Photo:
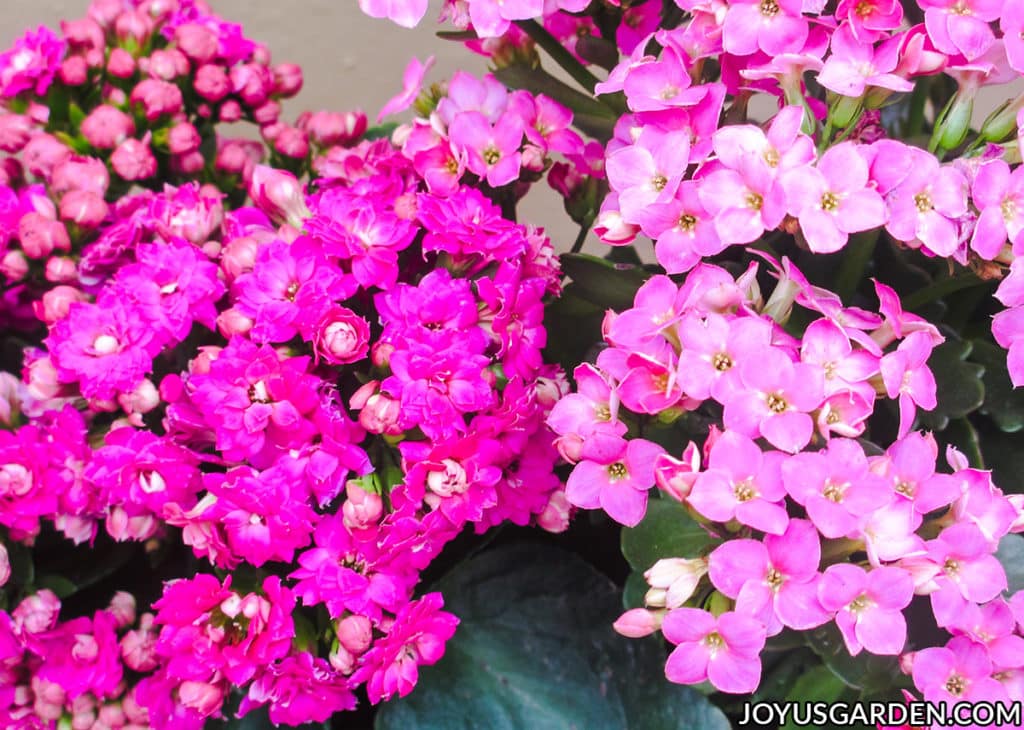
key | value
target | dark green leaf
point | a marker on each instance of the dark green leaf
(958, 384)
(634, 591)
(535, 649)
(573, 325)
(58, 584)
(1004, 404)
(381, 131)
(75, 115)
(866, 671)
(597, 50)
(1011, 555)
(607, 285)
(666, 531)
(1003, 455)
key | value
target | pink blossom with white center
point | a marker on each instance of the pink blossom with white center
(742, 483)
(713, 349)
(868, 606)
(662, 84)
(587, 420)
(648, 171)
(776, 398)
(683, 229)
(999, 194)
(827, 346)
(492, 152)
(725, 650)
(772, 26)
(961, 27)
(834, 199)
(869, 19)
(855, 66)
(412, 81)
(968, 571)
(961, 671)
(781, 148)
(909, 468)
(406, 13)
(775, 581)
(926, 203)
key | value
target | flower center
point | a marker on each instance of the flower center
(754, 201)
(771, 156)
(774, 579)
(491, 155)
(923, 201)
(660, 382)
(744, 491)
(687, 222)
(258, 392)
(451, 165)
(658, 182)
(769, 8)
(956, 685)
(602, 413)
(776, 403)
(1009, 209)
(152, 482)
(105, 345)
(617, 471)
(951, 567)
(291, 291)
(714, 642)
(833, 492)
(722, 362)
(829, 202)
(832, 418)
(865, 8)
(859, 603)
(905, 488)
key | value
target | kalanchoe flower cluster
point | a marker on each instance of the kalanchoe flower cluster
(319, 389)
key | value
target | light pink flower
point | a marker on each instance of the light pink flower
(725, 650)
(868, 605)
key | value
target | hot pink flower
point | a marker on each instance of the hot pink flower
(412, 80)
(725, 650)
(492, 152)
(868, 606)
(968, 571)
(961, 26)
(961, 671)
(869, 19)
(926, 202)
(648, 171)
(745, 200)
(909, 467)
(32, 63)
(773, 26)
(300, 689)
(907, 376)
(999, 194)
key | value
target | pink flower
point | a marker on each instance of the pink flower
(909, 467)
(341, 336)
(725, 650)
(106, 127)
(998, 194)
(926, 202)
(961, 26)
(855, 66)
(648, 171)
(772, 26)
(742, 482)
(134, 160)
(775, 400)
(869, 19)
(907, 376)
(961, 671)
(618, 484)
(833, 199)
(868, 606)
(412, 80)
(406, 13)
(587, 420)
(775, 581)
(968, 571)
(32, 63)
(492, 152)
(713, 351)
(416, 638)
(299, 689)
(745, 200)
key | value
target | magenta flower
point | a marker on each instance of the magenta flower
(909, 467)
(713, 350)
(961, 27)
(587, 420)
(968, 571)
(869, 19)
(775, 581)
(834, 199)
(907, 376)
(683, 229)
(300, 689)
(648, 171)
(998, 194)
(661, 84)
(775, 400)
(961, 671)
(771, 26)
(32, 63)
(725, 650)
(744, 483)
(825, 345)
(926, 203)
(835, 486)
(868, 606)
(745, 201)
(619, 484)
(407, 13)
(854, 66)
(416, 638)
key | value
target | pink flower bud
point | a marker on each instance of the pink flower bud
(133, 160)
(83, 34)
(143, 398)
(232, 322)
(157, 98)
(555, 516)
(292, 142)
(49, 699)
(267, 114)
(122, 526)
(251, 82)
(73, 71)
(14, 265)
(5, 564)
(10, 399)
(534, 159)
(122, 608)
(381, 353)
(110, 716)
(83, 712)
(39, 236)
(79, 173)
(212, 82)
(190, 163)
(54, 304)
(60, 269)
(15, 130)
(565, 178)
(84, 208)
(270, 132)
(333, 128)
(121, 64)
(42, 153)
(341, 660)
(183, 138)
(238, 257)
(167, 65)
(230, 111)
(361, 509)
(612, 229)
(196, 41)
(570, 447)
(133, 25)
(287, 80)
(202, 697)
(138, 650)
(380, 415)
(37, 613)
(355, 633)
(200, 364)
(675, 477)
(279, 194)
(341, 336)
(637, 623)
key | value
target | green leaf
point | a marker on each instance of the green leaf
(381, 131)
(867, 672)
(75, 115)
(1011, 555)
(634, 591)
(666, 531)
(535, 649)
(815, 686)
(1004, 404)
(1003, 455)
(608, 285)
(58, 584)
(958, 384)
(573, 325)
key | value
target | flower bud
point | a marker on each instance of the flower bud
(49, 699)
(85, 208)
(60, 269)
(133, 160)
(555, 516)
(167, 65)
(292, 142)
(287, 80)
(197, 42)
(361, 509)
(251, 82)
(142, 399)
(121, 64)
(678, 576)
(202, 697)
(124, 527)
(79, 173)
(380, 415)
(675, 477)
(232, 322)
(230, 111)
(341, 659)
(73, 71)
(122, 608)
(5, 565)
(106, 127)
(39, 236)
(238, 257)
(355, 633)
(333, 128)
(341, 336)
(267, 114)
(612, 229)
(157, 98)
(14, 265)
(15, 131)
(279, 194)
(54, 304)
(37, 613)
(212, 83)
(42, 153)
(637, 623)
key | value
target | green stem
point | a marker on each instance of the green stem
(918, 100)
(858, 253)
(559, 54)
(581, 237)
(939, 289)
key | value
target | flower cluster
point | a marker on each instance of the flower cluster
(792, 411)
(313, 392)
